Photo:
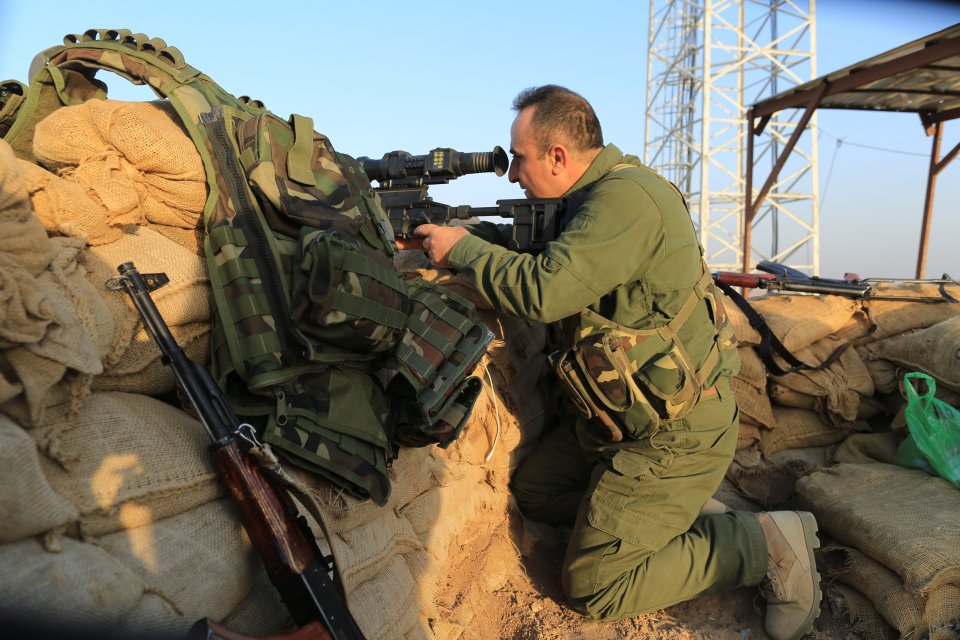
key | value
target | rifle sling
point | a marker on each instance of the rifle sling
(770, 344)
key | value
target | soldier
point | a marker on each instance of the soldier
(647, 356)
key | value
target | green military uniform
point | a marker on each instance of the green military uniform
(629, 262)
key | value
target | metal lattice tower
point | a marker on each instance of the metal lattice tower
(709, 60)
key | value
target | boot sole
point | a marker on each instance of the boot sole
(810, 528)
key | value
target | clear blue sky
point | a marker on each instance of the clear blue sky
(377, 76)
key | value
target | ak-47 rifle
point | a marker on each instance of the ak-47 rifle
(778, 277)
(404, 180)
(294, 563)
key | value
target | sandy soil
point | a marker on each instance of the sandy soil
(514, 593)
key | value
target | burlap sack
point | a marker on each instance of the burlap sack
(931, 615)
(752, 370)
(157, 578)
(746, 335)
(882, 371)
(799, 320)
(66, 208)
(902, 518)
(28, 502)
(134, 157)
(81, 587)
(55, 371)
(198, 561)
(884, 588)
(856, 610)
(748, 435)
(933, 350)
(23, 240)
(798, 429)
(128, 460)
(841, 385)
(893, 317)
(787, 397)
(261, 612)
(754, 403)
(865, 448)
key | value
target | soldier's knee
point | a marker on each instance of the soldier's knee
(586, 596)
(531, 494)
(600, 591)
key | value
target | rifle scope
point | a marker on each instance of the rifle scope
(440, 165)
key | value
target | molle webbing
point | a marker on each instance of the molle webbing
(628, 381)
(279, 195)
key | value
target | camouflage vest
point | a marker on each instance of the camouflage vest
(628, 381)
(317, 339)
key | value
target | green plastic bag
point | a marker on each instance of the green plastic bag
(908, 455)
(935, 427)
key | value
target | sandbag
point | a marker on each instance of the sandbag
(934, 350)
(841, 385)
(903, 518)
(28, 502)
(798, 429)
(128, 460)
(56, 370)
(23, 240)
(134, 158)
(799, 321)
(66, 208)
(893, 317)
(79, 587)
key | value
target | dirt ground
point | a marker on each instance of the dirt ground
(514, 591)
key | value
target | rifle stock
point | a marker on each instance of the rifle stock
(209, 630)
(742, 280)
(280, 535)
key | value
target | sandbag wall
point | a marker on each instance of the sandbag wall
(825, 441)
(114, 520)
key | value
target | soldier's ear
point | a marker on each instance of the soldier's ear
(559, 157)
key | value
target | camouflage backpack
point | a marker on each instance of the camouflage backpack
(317, 339)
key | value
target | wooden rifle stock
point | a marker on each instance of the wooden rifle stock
(209, 630)
(743, 280)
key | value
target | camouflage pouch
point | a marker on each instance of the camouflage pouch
(345, 300)
(300, 180)
(334, 422)
(584, 400)
(640, 377)
(429, 371)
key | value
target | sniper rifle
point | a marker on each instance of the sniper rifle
(279, 533)
(404, 180)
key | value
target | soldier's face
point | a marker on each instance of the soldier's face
(535, 171)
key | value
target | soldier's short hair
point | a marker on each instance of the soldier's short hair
(561, 115)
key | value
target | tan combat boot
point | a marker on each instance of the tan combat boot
(792, 585)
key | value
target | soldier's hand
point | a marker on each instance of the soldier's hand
(438, 241)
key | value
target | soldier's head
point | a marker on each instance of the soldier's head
(553, 140)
